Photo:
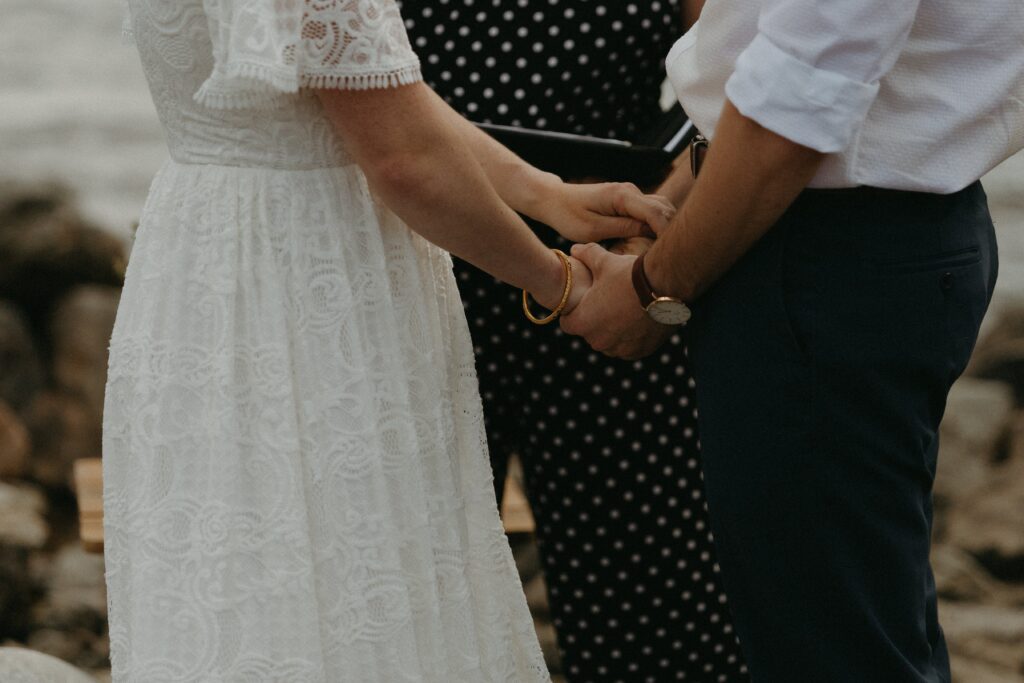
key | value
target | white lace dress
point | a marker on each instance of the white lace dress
(296, 480)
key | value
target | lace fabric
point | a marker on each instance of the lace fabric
(263, 48)
(296, 480)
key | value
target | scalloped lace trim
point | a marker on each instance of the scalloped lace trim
(256, 86)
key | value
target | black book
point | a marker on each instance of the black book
(579, 157)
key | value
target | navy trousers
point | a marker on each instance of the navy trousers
(823, 360)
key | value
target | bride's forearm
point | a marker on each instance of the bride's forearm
(525, 188)
(426, 173)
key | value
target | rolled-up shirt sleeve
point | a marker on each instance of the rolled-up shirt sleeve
(813, 70)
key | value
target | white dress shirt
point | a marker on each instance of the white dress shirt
(908, 94)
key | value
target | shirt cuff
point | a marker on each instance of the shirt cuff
(812, 107)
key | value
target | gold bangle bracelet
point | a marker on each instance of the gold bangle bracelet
(561, 304)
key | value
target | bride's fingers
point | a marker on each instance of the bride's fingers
(653, 210)
(607, 227)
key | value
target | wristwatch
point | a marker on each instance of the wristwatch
(666, 310)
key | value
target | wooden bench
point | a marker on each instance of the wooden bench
(88, 480)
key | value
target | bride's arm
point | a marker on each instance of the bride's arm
(580, 212)
(424, 170)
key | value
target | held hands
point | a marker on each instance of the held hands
(603, 308)
(599, 211)
(550, 295)
(609, 315)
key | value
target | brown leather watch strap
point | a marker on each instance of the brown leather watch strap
(641, 284)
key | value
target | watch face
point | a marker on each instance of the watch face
(668, 311)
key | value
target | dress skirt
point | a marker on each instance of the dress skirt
(297, 485)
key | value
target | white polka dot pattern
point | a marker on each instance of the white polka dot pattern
(610, 448)
(592, 68)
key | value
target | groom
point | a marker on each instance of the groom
(829, 323)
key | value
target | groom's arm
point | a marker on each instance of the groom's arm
(750, 176)
(748, 179)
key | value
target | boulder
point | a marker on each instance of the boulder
(972, 438)
(16, 594)
(959, 577)
(22, 517)
(990, 524)
(548, 639)
(80, 336)
(537, 597)
(967, 670)
(70, 622)
(26, 666)
(1000, 353)
(76, 596)
(527, 557)
(21, 371)
(46, 249)
(14, 444)
(22, 529)
(63, 428)
(987, 634)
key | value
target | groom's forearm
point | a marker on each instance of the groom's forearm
(749, 178)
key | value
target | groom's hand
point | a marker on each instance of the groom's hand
(610, 317)
(631, 246)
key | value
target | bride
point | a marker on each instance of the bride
(296, 483)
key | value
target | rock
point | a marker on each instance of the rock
(80, 335)
(76, 596)
(549, 645)
(973, 671)
(537, 597)
(527, 557)
(14, 444)
(1000, 353)
(16, 594)
(63, 645)
(973, 432)
(21, 372)
(20, 202)
(25, 666)
(63, 429)
(960, 577)
(1016, 450)
(22, 517)
(989, 634)
(71, 620)
(78, 646)
(46, 248)
(990, 525)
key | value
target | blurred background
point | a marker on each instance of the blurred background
(79, 143)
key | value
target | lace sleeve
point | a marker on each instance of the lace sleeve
(265, 48)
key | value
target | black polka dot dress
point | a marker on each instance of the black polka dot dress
(610, 448)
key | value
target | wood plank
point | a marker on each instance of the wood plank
(88, 480)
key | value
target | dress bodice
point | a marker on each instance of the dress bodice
(288, 132)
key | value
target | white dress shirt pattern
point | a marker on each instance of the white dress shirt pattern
(921, 95)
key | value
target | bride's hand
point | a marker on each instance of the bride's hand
(550, 294)
(581, 282)
(599, 211)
